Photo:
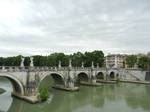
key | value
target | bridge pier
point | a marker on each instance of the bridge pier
(31, 99)
(90, 83)
(93, 79)
(70, 82)
(30, 95)
(70, 87)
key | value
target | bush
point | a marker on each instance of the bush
(118, 80)
(44, 94)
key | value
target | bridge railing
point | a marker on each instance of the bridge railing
(27, 68)
(44, 68)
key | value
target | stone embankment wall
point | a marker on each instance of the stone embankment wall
(133, 75)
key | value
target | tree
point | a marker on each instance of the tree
(88, 59)
(77, 59)
(11, 61)
(27, 61)
(36, 60)
(43, 61)
(1, 61)
(53, 59)
(144, 62)
(8, 61)
(131, 60)
(17, 60)
(95, 56)
(98, 57)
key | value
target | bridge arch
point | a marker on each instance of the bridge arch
(57, 77)
(112, 75)
(117, 75)
(100, 75)
(16, 84)
(82, 76)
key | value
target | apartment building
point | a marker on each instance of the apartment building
(115, 61)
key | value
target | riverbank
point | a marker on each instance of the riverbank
(2, 91)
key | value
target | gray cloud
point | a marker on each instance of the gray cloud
(45, 26)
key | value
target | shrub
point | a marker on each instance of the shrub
(44, 94)
(118, 80)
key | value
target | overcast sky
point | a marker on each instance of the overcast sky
(31, 27)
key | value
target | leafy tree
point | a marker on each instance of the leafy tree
(36, 60)
(88, 59)
(17, 60)
(43, 61)
(77, 59)
(27, 61)
(144, 62)
(95, 56)
(8, 61)
(61, 57)
(1, 61)
(131, 60)
(65, 61)
(98, 57)
(53, 59)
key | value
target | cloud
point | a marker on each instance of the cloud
(42, 27)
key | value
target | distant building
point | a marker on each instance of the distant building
(140, 55)
(115, 61)
(119, 60)
(148, 54)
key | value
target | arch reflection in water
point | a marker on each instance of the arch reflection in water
(99, 99)
(5, 98)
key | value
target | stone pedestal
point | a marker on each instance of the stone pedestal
(94, 81)
(71, 85)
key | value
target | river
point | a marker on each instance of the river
(122, 97)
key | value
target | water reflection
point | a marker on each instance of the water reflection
(139, 97)
(116, 97)
(5, 98)
(62, 102)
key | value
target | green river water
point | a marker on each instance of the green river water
(122, 97)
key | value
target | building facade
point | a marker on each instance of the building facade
(115, 61)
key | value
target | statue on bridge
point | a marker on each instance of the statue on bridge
(92, 64)
(22, 62)
(70, 63)
(82, 66)
(31, 62)
(97, 65)
(59, 65)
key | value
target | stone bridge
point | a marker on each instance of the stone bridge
(26, 80)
